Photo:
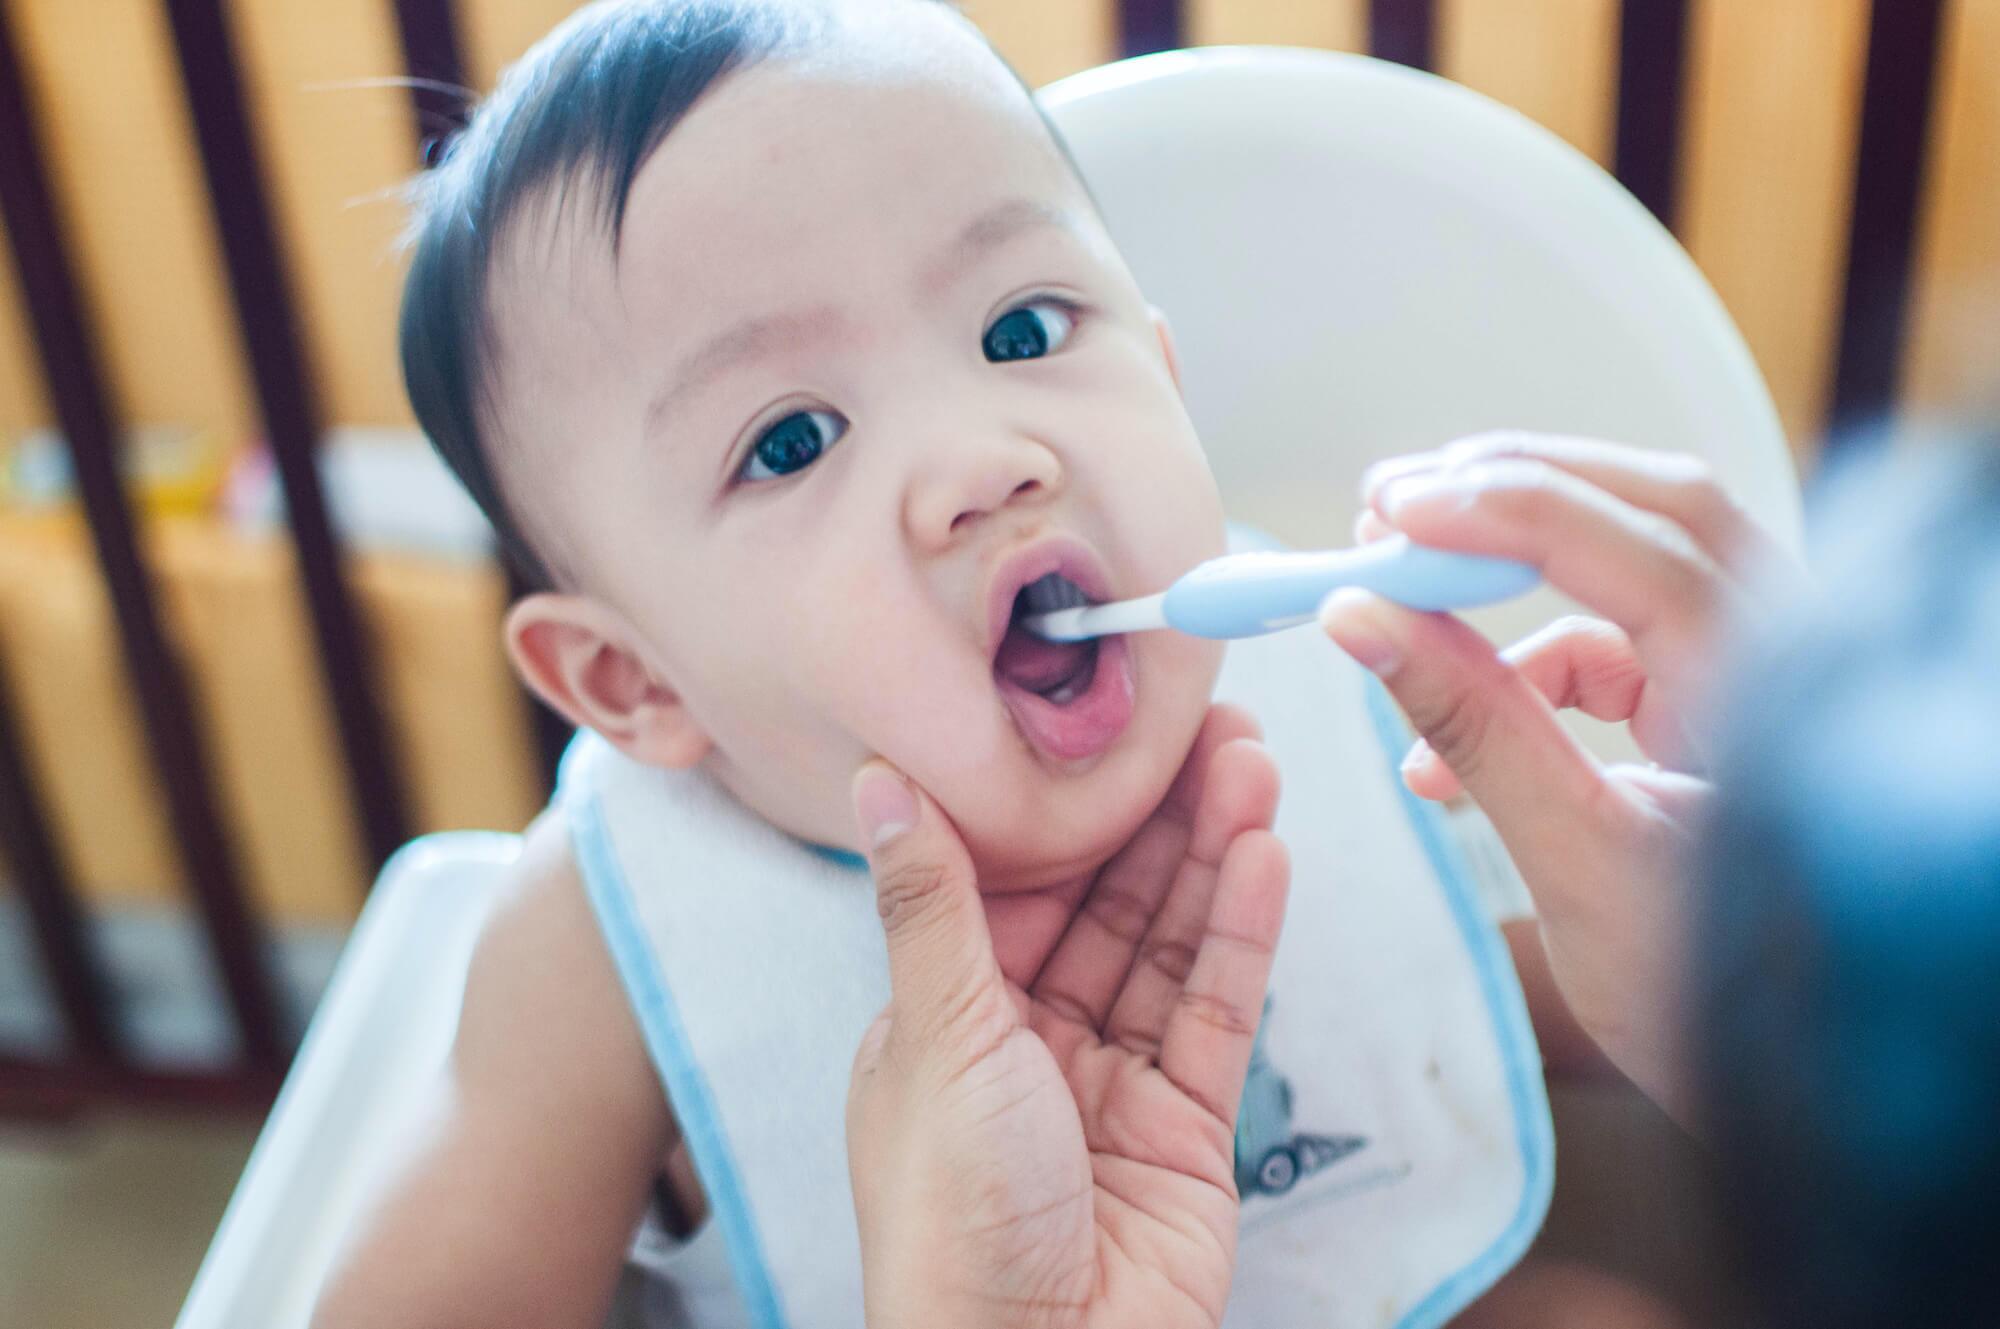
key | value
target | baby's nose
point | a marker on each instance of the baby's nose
(949, 498)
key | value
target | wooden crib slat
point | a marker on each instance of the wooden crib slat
(120, 165)
(337, 144)
(1334, 25)
(78, 391)
(1555, 61)
(1888, 186)
(23, 405)
(1652, 57)
(261, 287)
(1950, 365)
(1150, 25)
(47, 887)
(434, 58)
(1048, 39)
(1774, 100)
(433, 54)
(1404, 31)
(496, 33)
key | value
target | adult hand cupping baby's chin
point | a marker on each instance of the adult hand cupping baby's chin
(1062, 1154)
(1651, 543)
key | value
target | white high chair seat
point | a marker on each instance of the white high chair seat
(1356, 260)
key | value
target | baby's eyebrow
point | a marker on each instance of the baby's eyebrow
(990, 230)
(752, 339)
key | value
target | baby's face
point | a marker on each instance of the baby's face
(865, 365)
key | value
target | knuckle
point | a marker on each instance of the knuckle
(1121, 913)
(1133, 1039)
(1456, 726)
(1222, 1016)
(906, 892)
(1173, 958)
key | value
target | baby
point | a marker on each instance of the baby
(783, 342)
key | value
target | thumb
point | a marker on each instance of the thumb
(1489, 724)
(941, 965)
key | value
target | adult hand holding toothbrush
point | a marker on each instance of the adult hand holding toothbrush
(1649, 542)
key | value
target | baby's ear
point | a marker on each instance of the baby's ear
(1166, 335)
(582, 658)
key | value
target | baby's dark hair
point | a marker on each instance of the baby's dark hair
(1846, 1006)
(584, 109)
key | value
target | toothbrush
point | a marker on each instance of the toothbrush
(1247, 595)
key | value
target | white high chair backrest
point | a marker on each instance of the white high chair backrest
(1358, 260)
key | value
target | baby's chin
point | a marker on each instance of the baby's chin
(1036, 856)
(1071, 827)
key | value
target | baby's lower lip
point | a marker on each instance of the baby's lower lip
(1087, 725)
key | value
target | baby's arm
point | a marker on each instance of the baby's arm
(519, 1193)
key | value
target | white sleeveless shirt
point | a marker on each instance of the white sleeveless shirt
(1394, 1153)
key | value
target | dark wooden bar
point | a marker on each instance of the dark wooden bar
(83, 407)
(32, 1089)
(1404, 31)
(439, 99)
(1898, 92)
(435, 61)
(36, 868)
(1652, 95)
(260, 284)
(1150, 25)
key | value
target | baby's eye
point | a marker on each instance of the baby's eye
(792, 444)
(1029, 332)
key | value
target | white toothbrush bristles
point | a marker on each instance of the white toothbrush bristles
(1098, 620)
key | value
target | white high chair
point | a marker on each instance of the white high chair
(1357, 260)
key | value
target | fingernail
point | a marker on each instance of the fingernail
(1418, 760)
(1349, 617)
(883, 804)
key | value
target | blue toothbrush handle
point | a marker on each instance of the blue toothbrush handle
(1246, 595)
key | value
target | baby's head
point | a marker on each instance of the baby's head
(782, 340)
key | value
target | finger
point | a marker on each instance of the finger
(1576, 663)
(1676, 485)
(945, 986)
(1205, 1048)
(1584, 664)
(1241, 795)
(1223, 725)
(1638, 569)
(1083, 974)
(1485, 721)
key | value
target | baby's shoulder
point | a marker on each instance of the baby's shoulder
(541, 900)
(540, 972)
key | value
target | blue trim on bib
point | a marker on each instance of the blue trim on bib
(1533, 1130)
(666, 1042)
(840, 858)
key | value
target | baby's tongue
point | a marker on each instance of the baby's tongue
(1028, 662)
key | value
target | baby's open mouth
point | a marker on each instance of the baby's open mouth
(1070, 699)
(1057, 672)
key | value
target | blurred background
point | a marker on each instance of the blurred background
(248, 631)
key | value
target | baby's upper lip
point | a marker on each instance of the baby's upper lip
(1032, 561)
